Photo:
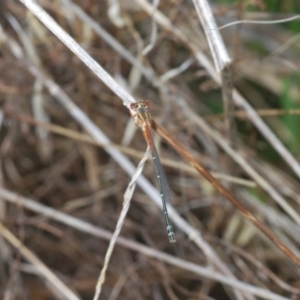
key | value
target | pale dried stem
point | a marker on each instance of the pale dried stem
(99, 136)
(239, 100)
(150, 252)
(39, 265)
(126, 203)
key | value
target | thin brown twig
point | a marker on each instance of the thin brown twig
(86, 227)
(223, 191)
(239, 100)
(129, 151)
(40, 266)
(56, 91)
(241, 114)
(247, 256)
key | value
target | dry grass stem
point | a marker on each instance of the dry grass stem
(69, 148)
(151, 252)
(38, 264)
(239, 100)
(99, 136)
(126, 203)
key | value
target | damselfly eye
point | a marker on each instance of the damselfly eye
(132, 106)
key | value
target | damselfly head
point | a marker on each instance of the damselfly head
(139, 111)
(140, 105)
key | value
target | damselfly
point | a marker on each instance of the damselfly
(142, 118)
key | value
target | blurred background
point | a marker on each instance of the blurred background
(48, 157)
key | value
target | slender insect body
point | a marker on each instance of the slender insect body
(142, 118)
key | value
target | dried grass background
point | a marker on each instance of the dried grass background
(48, 156)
